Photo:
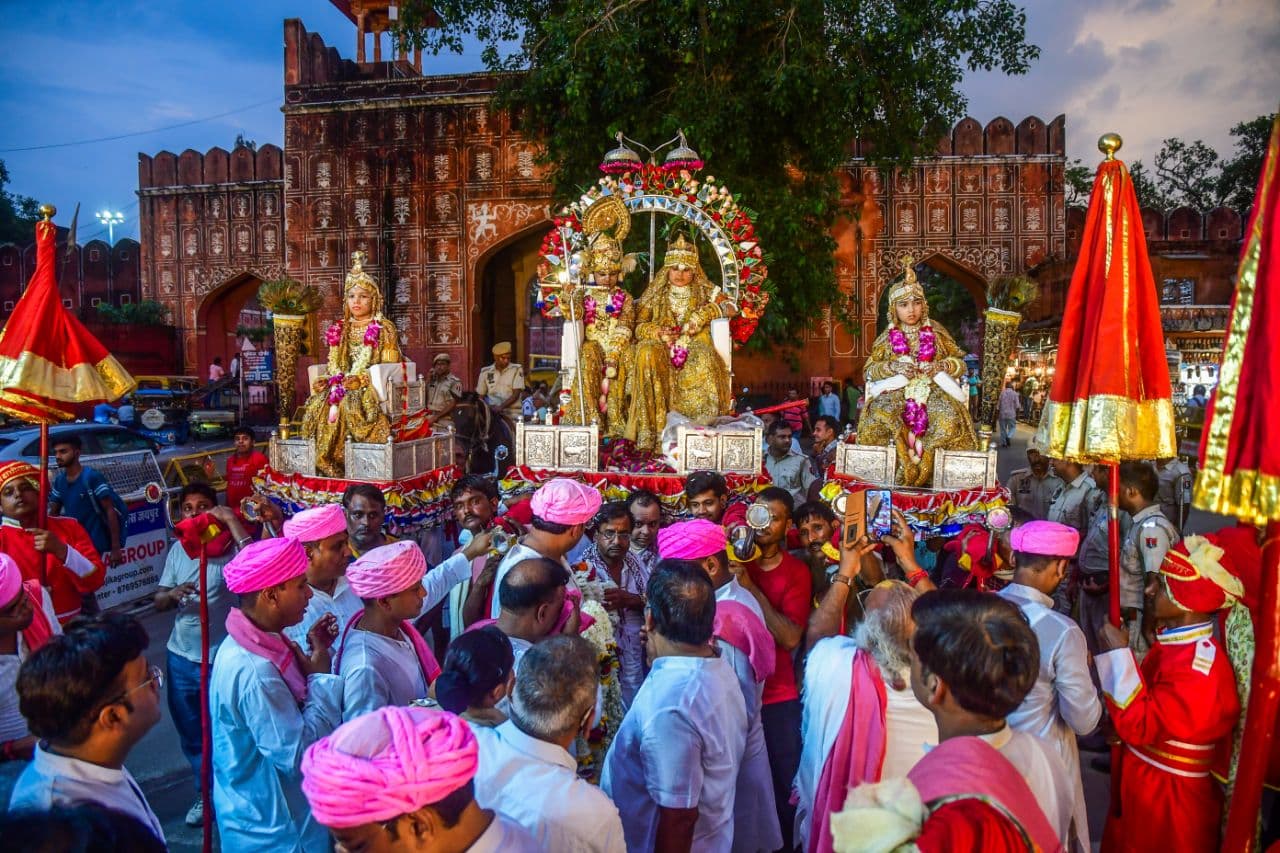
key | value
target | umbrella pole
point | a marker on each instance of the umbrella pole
(206, 723)
(1264, 701)
(43, 515)
(1113, 580)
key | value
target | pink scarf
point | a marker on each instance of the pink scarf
(39, 631)
(971, 767)
(741, 628)
(273, 648)
(426, 660)
(858, 753)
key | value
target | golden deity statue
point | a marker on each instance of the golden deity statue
(916, 398)
(342, 402)
(676, 367)
(607, 313)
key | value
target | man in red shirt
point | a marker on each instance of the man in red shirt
(783, 587)
(61, 556)
(242, 466)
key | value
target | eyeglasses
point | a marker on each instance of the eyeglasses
(157, 675)
(613, 535)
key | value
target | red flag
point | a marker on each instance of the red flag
(1110, 398)
(48, 360)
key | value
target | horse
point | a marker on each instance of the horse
(481, 431)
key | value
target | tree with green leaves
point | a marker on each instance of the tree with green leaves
(770, 93)
(18, 213)
(1238, 181)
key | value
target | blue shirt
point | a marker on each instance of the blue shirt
(829, 404)
(81, 500)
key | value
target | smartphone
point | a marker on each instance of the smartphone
(879, 513)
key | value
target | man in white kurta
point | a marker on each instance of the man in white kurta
(703, 543)
(526, 772)
(681, 743)
(383, 659)
(322, 530)
(910, 728)
(261, 726)
(1063, 703)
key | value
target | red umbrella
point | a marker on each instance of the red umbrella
(1240, 473)
(1111, 400)
(48, 360)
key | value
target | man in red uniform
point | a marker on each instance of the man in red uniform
(782, 586)
(242, 466)
(1179, 710)
(60, 556)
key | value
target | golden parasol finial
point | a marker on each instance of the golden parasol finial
(48, 211)
(1109, 144)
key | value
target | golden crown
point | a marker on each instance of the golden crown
(681, 253)
(358, 277)
(907, 286)
(604, 255)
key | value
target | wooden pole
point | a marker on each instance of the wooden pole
(1264, 701)
(1113, 561)
(206, 722)
(43, 515)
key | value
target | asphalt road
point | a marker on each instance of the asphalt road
(167, 780)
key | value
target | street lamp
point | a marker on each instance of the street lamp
(110, 218)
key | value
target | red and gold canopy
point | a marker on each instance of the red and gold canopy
(48, 360)
(1239, 460)
(1111, 398)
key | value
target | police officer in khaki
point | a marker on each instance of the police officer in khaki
(1034, 488)
(443, 390)
(502, 382)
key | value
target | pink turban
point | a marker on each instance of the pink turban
(565, 501)
(316, 523)
(1046, 538)
(387, 569)
(387, 763)
(691, 540)
(264, 564)
(10, 580)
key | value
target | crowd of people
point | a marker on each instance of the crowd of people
(619, 676)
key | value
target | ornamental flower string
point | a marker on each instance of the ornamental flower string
(589, 310)
(371, 334)
(915, 411)
(615, 303)
(336, 392)
(333, 334)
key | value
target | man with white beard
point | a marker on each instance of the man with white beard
(861, 721)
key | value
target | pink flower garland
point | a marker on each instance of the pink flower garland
(336, 392)
(372, 332)
(333, 334)
(589, 310)
(914, 413)
(679, 355)
(616, 301)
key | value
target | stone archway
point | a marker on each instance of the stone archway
(501, 308)
(217, 318)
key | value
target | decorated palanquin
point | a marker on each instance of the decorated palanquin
(630, 358)
(365, 420)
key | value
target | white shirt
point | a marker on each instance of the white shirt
(504, 836)
(910, 729)
(679, 747)
(536, 784)
(343, 603)
(1044, 773)
(12, 724)
(734, 591)
(259, 735)
(755, 815)
(57, 780)
(377, 671)
(518, 554)
(1063, 702)
(184, 639)
(518, 648)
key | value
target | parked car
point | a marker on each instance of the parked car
(96, 439)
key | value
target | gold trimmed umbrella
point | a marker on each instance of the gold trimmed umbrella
(49, 361)
(1111, 398)
(1240, 474)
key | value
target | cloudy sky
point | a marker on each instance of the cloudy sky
(79, 70)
